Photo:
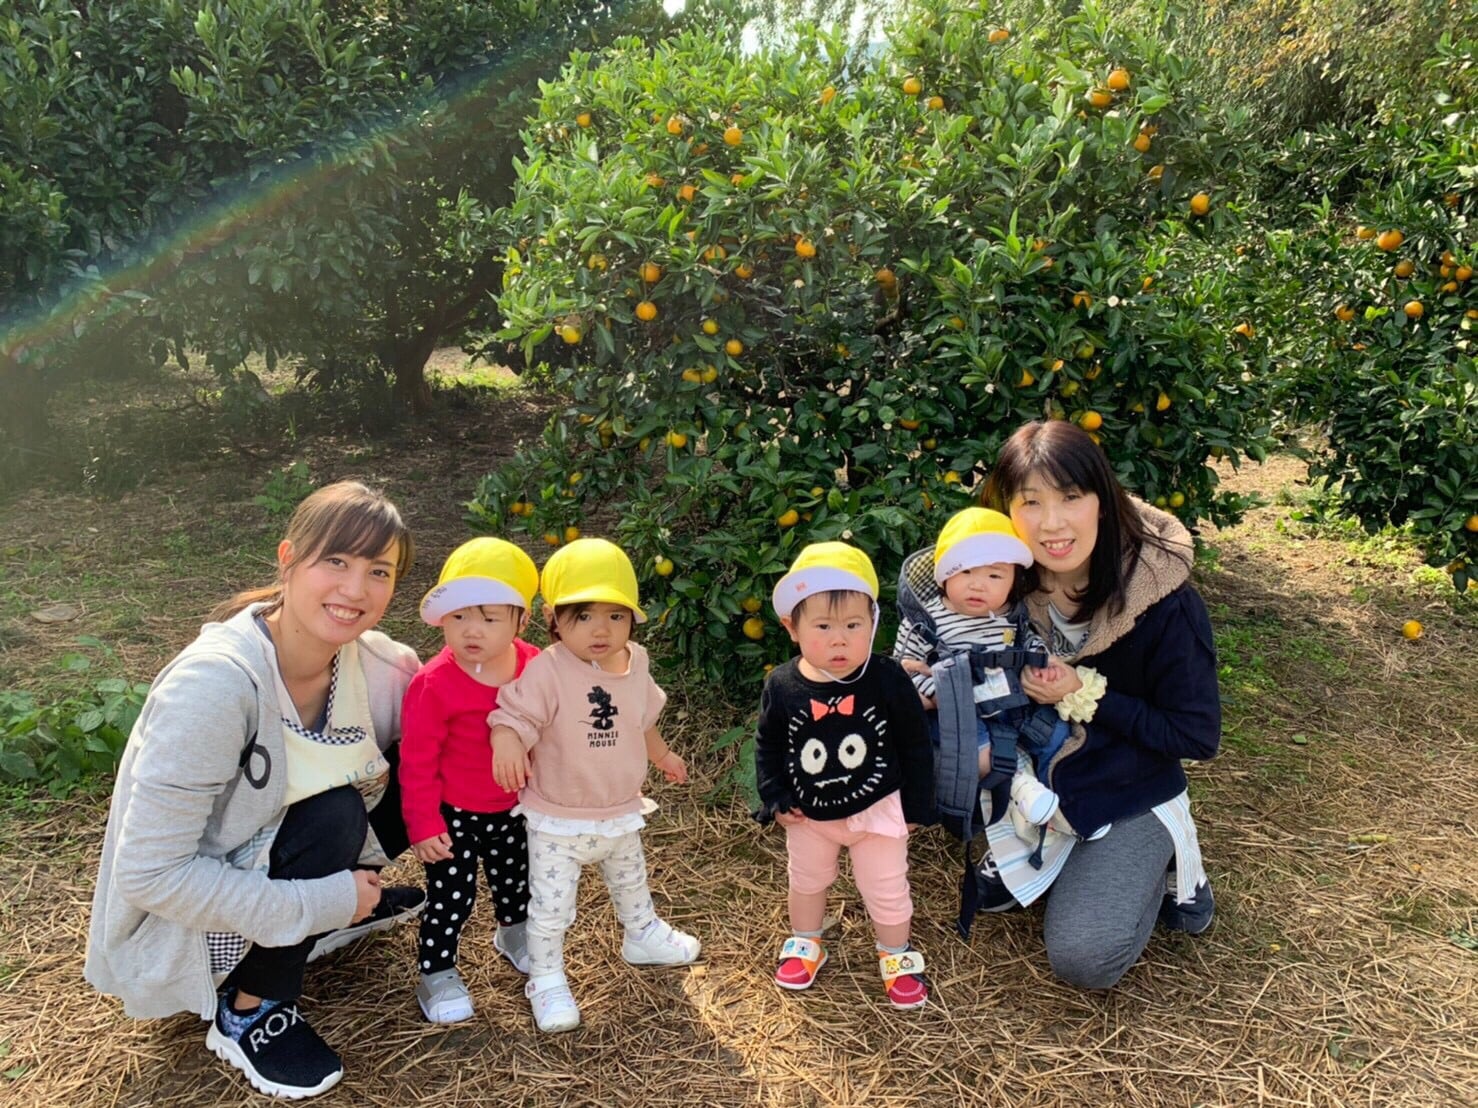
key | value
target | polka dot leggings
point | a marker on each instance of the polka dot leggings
(500, 841)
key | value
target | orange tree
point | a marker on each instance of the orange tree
(811, 290)
(1378, 311)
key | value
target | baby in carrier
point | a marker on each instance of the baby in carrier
(964, 637)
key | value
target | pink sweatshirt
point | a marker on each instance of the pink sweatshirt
(585, 731)
(444, 752)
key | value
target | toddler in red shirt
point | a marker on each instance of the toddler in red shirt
(458, 817)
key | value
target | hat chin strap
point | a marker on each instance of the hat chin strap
(877, 615)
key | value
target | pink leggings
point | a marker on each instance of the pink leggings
(879, 866)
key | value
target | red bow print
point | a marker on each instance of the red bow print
(843, 707)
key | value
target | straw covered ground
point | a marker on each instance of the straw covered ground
(1337, 825)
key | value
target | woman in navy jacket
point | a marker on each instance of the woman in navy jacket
(1110, 591)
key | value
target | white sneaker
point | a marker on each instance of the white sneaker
(1036, 803)
(516, 952)
(443, 996)
(659, 944)
(553, 1003)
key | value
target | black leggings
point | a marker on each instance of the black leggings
(320, 835)
(499, 840)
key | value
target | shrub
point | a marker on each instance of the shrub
(63, 744)
(809, 300)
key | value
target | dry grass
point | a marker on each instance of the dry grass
(1329, 978)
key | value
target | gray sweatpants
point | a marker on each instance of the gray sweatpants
(1104, 903)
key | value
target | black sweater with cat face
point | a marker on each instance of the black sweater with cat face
(832, 749)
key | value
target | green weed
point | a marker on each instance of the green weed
(64, 744)
(285, 490)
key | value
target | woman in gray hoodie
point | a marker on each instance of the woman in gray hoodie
(256, 799)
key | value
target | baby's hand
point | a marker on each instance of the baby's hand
(789, 819)
(438, 848)
(510, 763)
(916, 665)
(673, 767)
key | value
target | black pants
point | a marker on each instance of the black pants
(320, 835)
(500, 841)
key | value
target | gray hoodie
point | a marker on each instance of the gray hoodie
(185, 799)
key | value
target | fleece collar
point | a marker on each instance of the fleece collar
(1159, 573)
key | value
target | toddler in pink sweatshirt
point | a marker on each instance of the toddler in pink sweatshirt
(574, 735)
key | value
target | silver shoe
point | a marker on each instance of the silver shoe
(443, 996)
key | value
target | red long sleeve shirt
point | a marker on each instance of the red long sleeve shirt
(445, 755)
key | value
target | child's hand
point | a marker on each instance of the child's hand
(438, 848)
(916, 666)
(510, 763)
(789, 819)
(1050, 683)
(673, 767)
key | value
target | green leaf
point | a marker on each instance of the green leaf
(17, 766)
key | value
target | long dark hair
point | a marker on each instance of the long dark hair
(1062, 454)
(343, 518)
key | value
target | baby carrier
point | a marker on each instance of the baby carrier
(1012, 719)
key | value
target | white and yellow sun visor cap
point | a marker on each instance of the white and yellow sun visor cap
(824, 567)
(977, 537)
(482, 571)
(591, 571)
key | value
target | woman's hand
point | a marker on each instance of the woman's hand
(789, 819)
(366, 893)
(673, 767)
(510, 760)
(438, 848)
(1051, 682)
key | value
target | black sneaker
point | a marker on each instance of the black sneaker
(1192, 918)
(398, 904)
(279, 1053)
(992, 891)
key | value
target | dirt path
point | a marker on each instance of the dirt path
(1337, 826)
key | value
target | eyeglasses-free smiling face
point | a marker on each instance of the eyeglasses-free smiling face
(335, 597)
(979, 590)
(834, 638)
(598, 634)
(1059, 525)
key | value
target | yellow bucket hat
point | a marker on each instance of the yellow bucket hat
(977, 537)
(824, 567)
(591, 571)
(481, 571)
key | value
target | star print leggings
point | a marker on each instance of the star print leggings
(555, 862)
(499, 840)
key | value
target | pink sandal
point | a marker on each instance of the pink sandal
(903, 978)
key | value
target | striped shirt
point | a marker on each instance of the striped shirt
(957, 633)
